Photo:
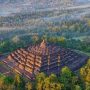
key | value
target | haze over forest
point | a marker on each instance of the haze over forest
(8, 7)
(53, 19)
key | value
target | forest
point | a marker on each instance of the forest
(66, 80)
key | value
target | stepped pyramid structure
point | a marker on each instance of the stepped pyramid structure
(44, 58)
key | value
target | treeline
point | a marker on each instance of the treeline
(67, 80)
(72, 43)
(9, 45)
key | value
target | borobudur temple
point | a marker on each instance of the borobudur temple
(45, 58)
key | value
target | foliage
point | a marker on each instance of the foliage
(67, 80)
(28, 86)
(85, 75)
(9, 45)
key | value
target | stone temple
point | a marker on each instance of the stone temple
(45, 58)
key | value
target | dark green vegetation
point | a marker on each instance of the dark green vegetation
(67, 80)
(16, 42)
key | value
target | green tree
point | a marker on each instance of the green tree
(66, 78)
(16, 39)
(77, 87)
(40, 81)
(46, 84)
(85, 75)
(53, 78)
(35, 39)
(8, 83)
(28, 86)
(2, 77)
(52, 83)
(19, 82)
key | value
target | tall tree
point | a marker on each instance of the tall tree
(85, 74)
(66, 78)
(40, 81)
(28, 86)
